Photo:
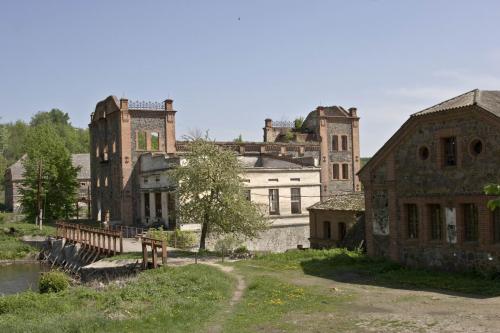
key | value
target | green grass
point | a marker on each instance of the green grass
(335, 263)
(181, 299)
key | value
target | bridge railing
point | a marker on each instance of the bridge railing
(104, 241)
(154, 244)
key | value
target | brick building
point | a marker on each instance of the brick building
(424, 188)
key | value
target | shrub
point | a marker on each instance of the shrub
(177, 238)
(54, 281)
(227, 244)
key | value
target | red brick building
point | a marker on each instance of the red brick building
(424, 188)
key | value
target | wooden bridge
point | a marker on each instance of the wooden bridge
(101, 241)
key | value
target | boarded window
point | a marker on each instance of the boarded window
(146, 205)
(327, 230)
(141, 141)
(471, 223)
(436, 221)
(335, 171)
(344, 142)
(295, 201)
(274, 204)
(449, 151)
(342, 230)
(335, 143)
(155, 141)
(412, 220)
(496, 225)
(345, 171)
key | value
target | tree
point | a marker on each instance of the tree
(493, 189)
(211, 192)
(239, 139)
(50, 180)
(298, 123)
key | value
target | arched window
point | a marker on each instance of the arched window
(327, 230)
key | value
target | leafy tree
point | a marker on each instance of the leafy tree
(493, 189)
(48, 162)
(298, 123)
(14, 147)
(211, 192)
(54, 116)
(239, 139)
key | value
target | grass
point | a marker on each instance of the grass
(181, 299)
(335, 263)
(12, 229)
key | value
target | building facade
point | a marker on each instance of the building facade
(425, 204)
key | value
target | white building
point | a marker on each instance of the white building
(282, 187)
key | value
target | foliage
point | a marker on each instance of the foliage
(493, 189)
(47, 154)
(227, 244)
(53, 281)
(239, 139)
(211, 192)
(180, 298)
(288, 136)
(181, 239)
(298, 123)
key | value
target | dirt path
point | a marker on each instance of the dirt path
(241, 285)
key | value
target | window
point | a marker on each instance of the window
(171, 209)
(423, 153)
(295, 179)
(342, 230)
(248, 195)
(449, 151)
(272, 180)
(496, 225)
(146, 205)
(97, 151)
(335, 170)
(295, 200)
(157, 178)
(476, 147)
(141, 141)
(274, 204)
(155, 141)
(471, 224)
(436, 222)
(106, 181)
(327, 230)
(344, 142)
(145, 180)
(345, 171)
(114, 146)
(335, 143)
(158, 204)
(412, 220)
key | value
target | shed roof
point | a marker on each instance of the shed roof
(352, 201)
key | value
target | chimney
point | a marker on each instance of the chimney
(269, 123)
(169, 105)
(123, 104)
(353, 112)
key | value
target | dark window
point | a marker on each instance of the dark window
(412, 220)
(436, 221)
(423, 153)
(141, 141)
(345, 171)
(171, 209)
(342, 231)
(471, 223)
(327, 230)
(155, 141)
(248, 195)
(295, 201)
(158, 204)
(335, 143)
(450, 151)
(274, 204)
(146, 205)
(335, 171)
(476, 147)
(496, 225)
(344, 142)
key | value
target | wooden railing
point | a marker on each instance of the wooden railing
(154, 244)
(103, 241)
(128, 232)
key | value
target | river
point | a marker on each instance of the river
(19, 277)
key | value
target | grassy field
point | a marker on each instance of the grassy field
(181, 299)
(10, 232)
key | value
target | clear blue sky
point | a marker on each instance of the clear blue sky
(230, 64)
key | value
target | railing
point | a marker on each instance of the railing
(128, 232)
(143, 105)
(154, 244)
(103, 241)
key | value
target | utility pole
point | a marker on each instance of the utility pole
(38, 220)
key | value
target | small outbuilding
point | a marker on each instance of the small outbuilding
(337, 221)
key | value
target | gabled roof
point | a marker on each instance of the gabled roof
(351, 201)
(486, 99)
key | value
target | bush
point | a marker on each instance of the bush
(177, 238)
(227, 244)
(53, 281)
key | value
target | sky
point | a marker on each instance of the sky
(228, 65)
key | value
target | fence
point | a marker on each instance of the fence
(128, 232)
(101, 240)
(155, 244)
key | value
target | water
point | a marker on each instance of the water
(15, 278)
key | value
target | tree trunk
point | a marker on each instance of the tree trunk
(204, 229)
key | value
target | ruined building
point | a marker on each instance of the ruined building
(424, 198)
